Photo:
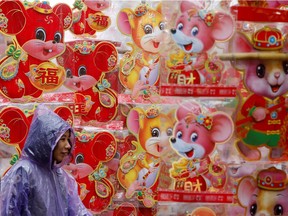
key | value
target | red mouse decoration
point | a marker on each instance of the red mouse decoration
(93, 152)
(89, 17)
(15, 124)
(38, 31)
(86, 63)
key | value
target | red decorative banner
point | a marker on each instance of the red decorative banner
(184, 196)
(197, 90)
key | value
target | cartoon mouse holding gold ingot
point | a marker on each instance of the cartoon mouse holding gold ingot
(139, 168)
(195, 136)
(139, 67)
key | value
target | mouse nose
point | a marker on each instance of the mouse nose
(173, 31)
(277, 75)
(173, 140)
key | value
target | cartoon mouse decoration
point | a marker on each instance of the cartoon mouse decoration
(15, 124)
(262, 117)
(139, 68)
(195, 136)
(139, 168)
(39, 32)
(89, 18)
(196, 31)
(86, 63)
(14, 129)
(264, 195)
(89, 167)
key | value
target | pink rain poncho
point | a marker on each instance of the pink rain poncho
(36, 185)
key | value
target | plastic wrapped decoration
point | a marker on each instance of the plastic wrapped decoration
(88, 17)
(14, 130)
(92, 166)
(191, 57)
(15, 125)
(258, 49)
(86, 64)
(139, 67)
(281, 4)
(27, 71)
(264, 193)
(125, 208)
(140, 167)
(194, 138)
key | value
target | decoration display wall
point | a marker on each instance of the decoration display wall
(179, 107)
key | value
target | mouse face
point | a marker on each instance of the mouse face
(196, 133)
(152, 132)
(263, 77)
(196, 30)
(267, 78)
(264, 195)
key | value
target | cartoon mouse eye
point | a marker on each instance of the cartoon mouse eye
(285, 67)
(161, 25)
(260, 70)
(57, 37)
(82, 71)
(148, 29)
(278, 210)
(79, 159)
(40, 34)
(155, 132)
(180, 26)
(253, 209)
(169, 131)
(194, 31)
(179, 134)
(69, 73)
(194, 137)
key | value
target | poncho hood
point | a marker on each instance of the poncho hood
(45, 131)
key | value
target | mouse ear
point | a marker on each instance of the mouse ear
(64, 12)
(245, 190)
(104, 146)
(66, 114)
(106, 56)
(14, 126)
(13, 18)
(125, 21)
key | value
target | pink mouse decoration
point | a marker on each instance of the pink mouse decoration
(197, 30)
(39, 31)
(266, 195)
(194, 139)
(263, 114)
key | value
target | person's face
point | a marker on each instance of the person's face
(62, 148)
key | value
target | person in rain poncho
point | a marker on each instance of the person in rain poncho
(36, 184)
